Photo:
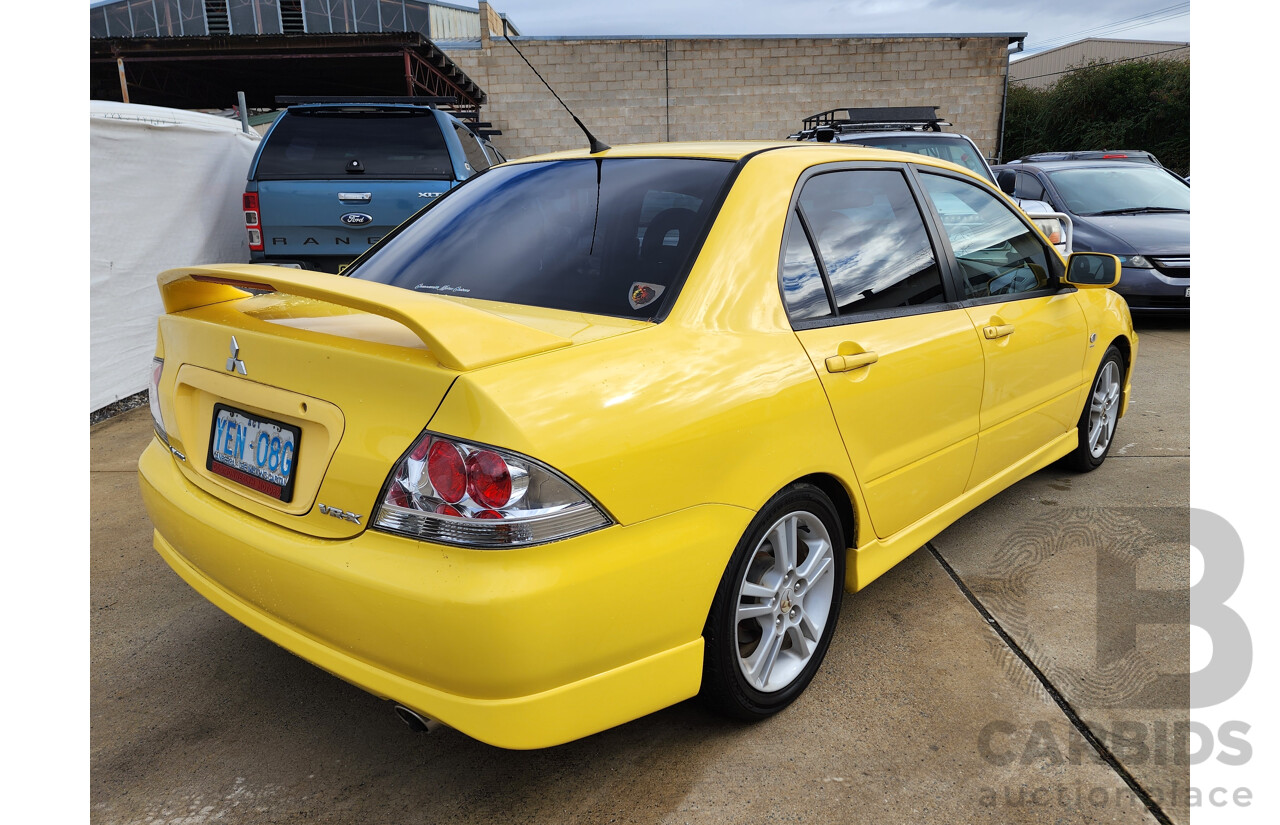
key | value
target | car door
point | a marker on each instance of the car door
(899, 359)
(1034, 334)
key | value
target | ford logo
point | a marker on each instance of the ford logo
(356, 219)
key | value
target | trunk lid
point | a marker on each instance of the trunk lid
(350, 370)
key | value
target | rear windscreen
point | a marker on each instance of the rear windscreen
(323, 144)
(610, 237)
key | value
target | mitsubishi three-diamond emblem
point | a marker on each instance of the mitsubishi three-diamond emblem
(234, 364)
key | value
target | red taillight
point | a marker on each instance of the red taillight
(488, 480)
(253, 221)
(452, 491)
(1114, 157)
(447, 471)
(399, 496)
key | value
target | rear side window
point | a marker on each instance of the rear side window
(323, 143)
(802, 283)
(871, 244)
(604, 236)
(471, 149)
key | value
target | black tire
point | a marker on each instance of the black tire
(1101, 410)
(801, 640)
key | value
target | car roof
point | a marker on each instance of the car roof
(904, 133)
(1056, 165)
(740, 149)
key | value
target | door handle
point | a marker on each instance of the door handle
(997, 331)
(845, 363)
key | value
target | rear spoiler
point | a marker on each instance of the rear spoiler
(460, 337)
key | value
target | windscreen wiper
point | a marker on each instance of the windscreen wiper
(1137, 210)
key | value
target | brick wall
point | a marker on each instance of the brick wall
(653, 89)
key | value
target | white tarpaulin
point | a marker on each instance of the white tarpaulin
(165, 189)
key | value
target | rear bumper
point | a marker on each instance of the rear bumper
(518, 648)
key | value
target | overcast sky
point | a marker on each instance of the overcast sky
(1047, 24)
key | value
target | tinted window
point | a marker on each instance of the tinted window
(802, 285)
(495, 157)
(998, 254)
(951, 148)
(471, 149)
(1121, 187)
(611, 237)
(872, 240)
(1028, 187)
(388, 144)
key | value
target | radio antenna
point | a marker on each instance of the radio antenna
(595, 144)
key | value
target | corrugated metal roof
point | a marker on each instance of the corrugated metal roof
(1042, 69)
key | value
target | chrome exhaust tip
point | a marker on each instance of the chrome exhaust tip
(416, 721)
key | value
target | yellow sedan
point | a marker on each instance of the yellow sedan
(594, 434)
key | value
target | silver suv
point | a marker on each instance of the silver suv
(918, 129)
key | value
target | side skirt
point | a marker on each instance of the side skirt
(872, 560)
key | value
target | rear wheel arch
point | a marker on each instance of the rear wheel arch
(841, 498)
(777, 603)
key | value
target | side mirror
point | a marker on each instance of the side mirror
(1005, 179)
(1093, 270)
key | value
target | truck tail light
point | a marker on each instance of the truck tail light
(253, 221)
(455, 492)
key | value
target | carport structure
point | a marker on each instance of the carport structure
(206, 72)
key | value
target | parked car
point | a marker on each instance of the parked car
(331, 178)
(918, 129)
(1138, 212)
(593, 434)
(1129, 155)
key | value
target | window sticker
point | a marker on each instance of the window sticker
(644, 294)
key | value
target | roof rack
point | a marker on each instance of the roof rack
(881, 118)
(293, 100)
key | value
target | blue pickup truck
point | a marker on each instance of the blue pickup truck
(330, 179)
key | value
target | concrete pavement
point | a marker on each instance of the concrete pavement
(926, 709)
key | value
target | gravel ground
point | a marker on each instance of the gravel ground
(138, 399)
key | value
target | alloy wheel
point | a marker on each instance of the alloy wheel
(1104, 409)
(784, 601)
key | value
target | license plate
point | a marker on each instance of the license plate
(256, 452)
(1188, 292)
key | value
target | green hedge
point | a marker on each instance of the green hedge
(1141, 104)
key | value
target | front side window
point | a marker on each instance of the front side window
(997, 253)
(604, 236)
(1028, 187)
(871, 240)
